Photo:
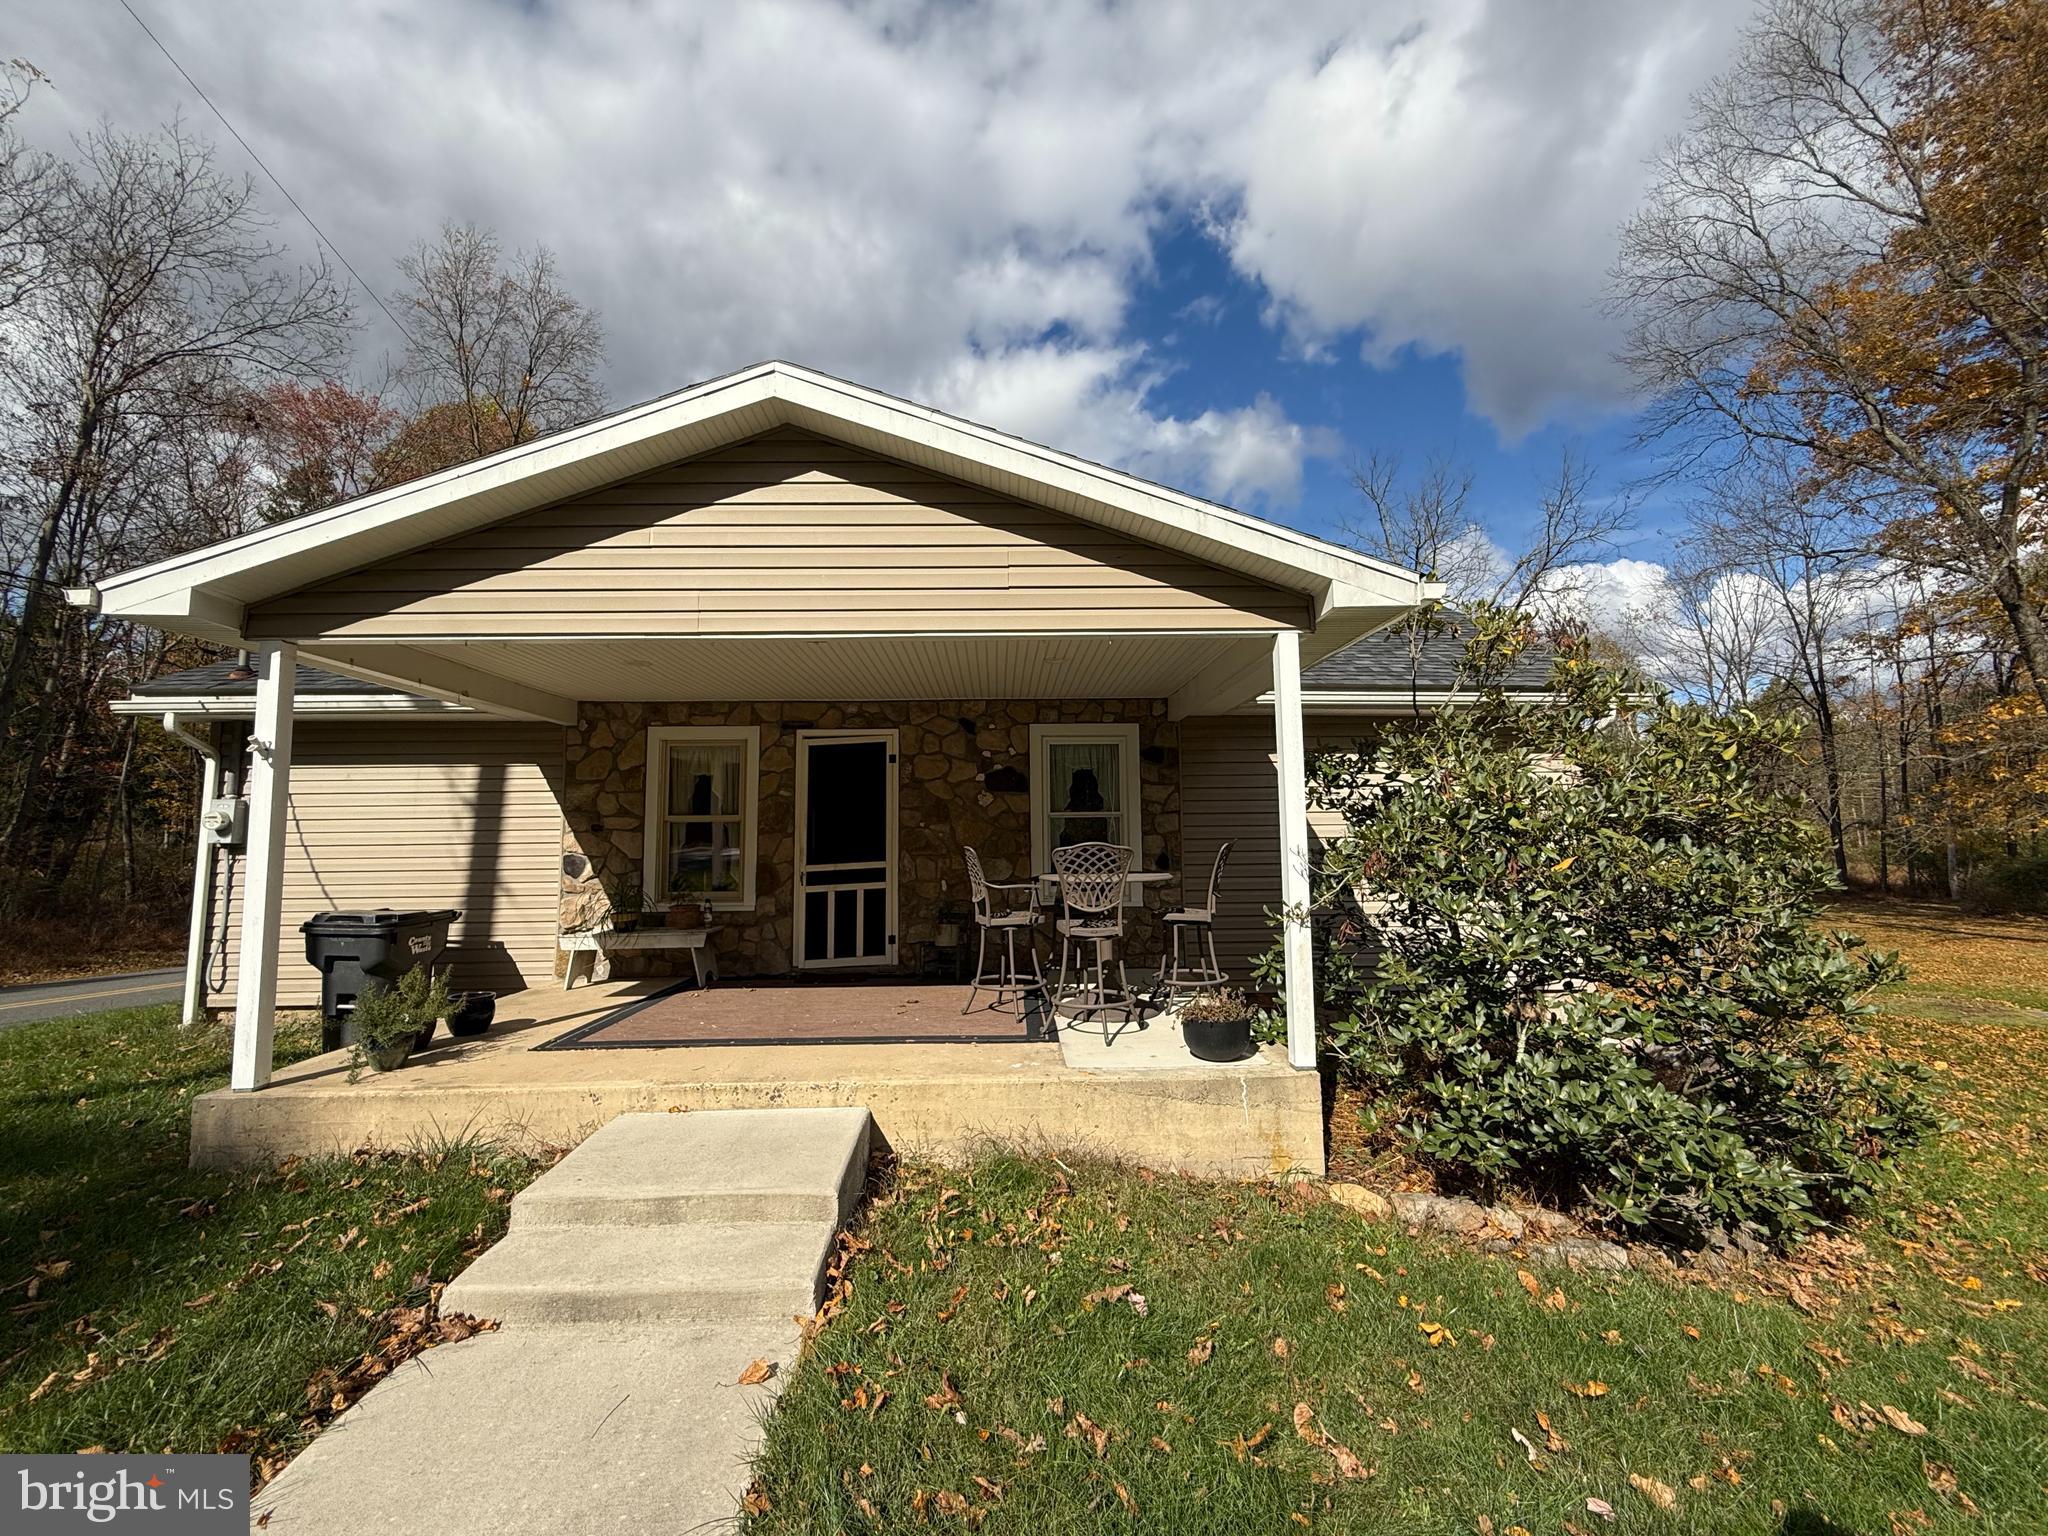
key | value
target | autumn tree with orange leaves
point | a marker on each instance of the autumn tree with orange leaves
(1844, 261)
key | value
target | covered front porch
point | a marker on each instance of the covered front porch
(1139, 1098)
(783, 648)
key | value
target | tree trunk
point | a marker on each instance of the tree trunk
(1831, 779)
(36, 598)
(2028, 630)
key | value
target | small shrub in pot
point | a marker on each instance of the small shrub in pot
(1218, 1025)
(389, 1022)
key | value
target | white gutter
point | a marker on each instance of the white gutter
(202, 872)
(1389, 701)
(243, 706)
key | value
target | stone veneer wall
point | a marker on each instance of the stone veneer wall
(947, 752)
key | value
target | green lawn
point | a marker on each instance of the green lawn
(990, 1371)
(1274, 1362)
(149, 1307)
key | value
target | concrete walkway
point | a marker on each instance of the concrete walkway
(88, 994)
(639, 1279)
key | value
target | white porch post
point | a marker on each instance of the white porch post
(1292, 764)
(269, 778)
(202, 897)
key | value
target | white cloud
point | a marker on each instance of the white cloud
(968, 196)
(1095, 402)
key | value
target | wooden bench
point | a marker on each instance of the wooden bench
(587, 948)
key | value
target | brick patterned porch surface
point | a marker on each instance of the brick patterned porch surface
(805, 1013)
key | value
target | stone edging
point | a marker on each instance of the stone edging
(1538, 1235)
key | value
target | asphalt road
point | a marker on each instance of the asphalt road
(89, 994)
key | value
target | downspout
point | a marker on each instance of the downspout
(202, 870)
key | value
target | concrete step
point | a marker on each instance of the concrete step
(692, 1275)
(726, 1167)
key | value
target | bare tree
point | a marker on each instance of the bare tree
(505, 344)
(1809, 556)
(1707, 632)
(162, 302)
(1424, 525)
(1843, 257)
(26, 176)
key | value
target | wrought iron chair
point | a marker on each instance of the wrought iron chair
(1196, 926)
(1092, 879)
(1009, 920)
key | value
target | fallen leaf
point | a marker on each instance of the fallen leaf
(1553, 1442)
(1663, 1495)
(1900, 1420)
(1529, 1283)
(1590, 1389)
(756, 1373)
(1244, 1445)
(1601, 1508)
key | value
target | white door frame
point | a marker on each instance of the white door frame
(804, 740)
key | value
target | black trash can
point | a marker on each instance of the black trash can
(358, 952)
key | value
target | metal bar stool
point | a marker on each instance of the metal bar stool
(1009, 921)
(1092, 878)
(1198, 925)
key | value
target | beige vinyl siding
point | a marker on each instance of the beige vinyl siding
(1230, 790)
(788, 533)
(448, 813)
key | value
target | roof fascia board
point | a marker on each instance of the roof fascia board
(345, 706)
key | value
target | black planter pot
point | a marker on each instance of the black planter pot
(1219, 1040)
(473, 1013)
(425, 1037)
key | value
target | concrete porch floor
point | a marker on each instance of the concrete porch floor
(1251, 1119)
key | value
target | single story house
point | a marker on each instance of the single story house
(777, 644)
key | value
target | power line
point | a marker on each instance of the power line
(281, 187)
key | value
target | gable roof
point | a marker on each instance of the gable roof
(207, 591)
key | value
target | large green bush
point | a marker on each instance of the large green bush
(1586, 961)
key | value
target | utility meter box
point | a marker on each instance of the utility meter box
(225, 821)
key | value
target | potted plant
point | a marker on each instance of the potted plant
(627, 900)
(473, 1013)
(388, 1023)
(1218, 1025)
(686, 913)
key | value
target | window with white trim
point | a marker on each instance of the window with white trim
(703, 803)
(1084, 789)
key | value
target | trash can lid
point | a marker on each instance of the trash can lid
(377, 919)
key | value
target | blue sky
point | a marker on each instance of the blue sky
(1207, 323)
(1230, 248)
